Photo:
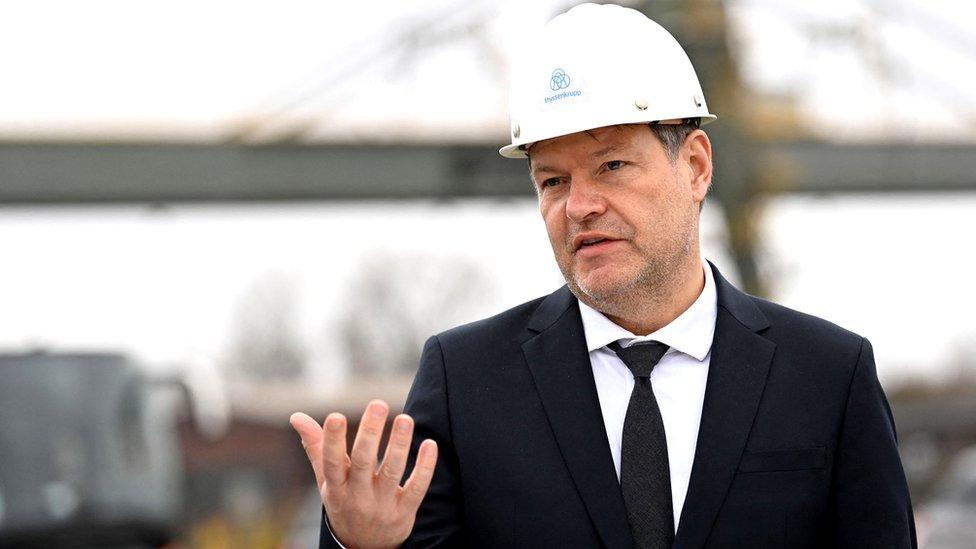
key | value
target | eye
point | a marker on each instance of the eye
(551, 182)
(615, 165)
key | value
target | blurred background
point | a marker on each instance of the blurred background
(213, 214)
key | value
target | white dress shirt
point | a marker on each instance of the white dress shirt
(678, 380)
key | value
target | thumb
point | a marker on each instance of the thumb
(312, 440)
(307, 428)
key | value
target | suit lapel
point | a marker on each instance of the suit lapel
(737, 373)
(560, 364)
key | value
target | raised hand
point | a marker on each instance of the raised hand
(366, 505)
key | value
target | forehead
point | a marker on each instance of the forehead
(592, 142)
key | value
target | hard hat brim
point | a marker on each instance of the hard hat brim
(519, 150)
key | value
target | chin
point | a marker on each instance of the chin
(603, 286)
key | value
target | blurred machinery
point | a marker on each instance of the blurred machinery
(948, 520)
(89, 455)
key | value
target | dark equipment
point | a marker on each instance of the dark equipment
(89, 455)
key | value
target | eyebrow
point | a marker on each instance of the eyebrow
(605, 150)
(538, 169)
(595, 154)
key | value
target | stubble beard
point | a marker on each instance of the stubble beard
(654, 283)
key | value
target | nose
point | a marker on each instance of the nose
(584, 200)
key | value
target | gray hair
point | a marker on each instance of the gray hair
(672, 136)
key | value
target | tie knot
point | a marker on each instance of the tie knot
(641, 358)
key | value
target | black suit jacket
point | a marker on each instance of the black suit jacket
(796, 446)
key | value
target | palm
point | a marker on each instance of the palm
(366, 506)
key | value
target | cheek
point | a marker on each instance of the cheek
(551, 216)
(557, 235)
(684, 183)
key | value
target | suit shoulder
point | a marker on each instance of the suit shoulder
(506, 324)
(806, 328)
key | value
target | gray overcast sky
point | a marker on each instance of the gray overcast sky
(199, 70)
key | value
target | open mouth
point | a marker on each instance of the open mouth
(594, 244)
(592, 241)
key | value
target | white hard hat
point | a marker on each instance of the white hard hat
(596, 66)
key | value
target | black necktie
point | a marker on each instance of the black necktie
(645, 477)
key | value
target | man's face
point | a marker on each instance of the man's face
(621, 216)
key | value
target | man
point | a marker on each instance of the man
(648, 403)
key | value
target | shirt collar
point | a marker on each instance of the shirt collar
(691, 332)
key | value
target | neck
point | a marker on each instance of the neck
(649, 308)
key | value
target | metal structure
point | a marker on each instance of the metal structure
(85, 173)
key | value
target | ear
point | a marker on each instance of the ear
(697, 155)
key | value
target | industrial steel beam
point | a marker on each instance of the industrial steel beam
(65, 173)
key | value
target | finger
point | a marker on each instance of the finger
(335, 461)
(366, 446)
(419, 481)
(395, 459)
(312, 440)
